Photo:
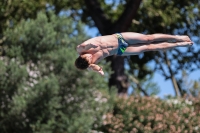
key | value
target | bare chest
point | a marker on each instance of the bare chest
(100, 55)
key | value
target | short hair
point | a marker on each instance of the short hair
(81, 63)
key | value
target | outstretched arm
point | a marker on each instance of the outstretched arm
(137, 38)
(96, 68)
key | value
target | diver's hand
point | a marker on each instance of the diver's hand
(96, 68)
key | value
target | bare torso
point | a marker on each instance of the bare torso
(104, 46)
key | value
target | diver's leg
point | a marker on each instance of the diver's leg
(133, 38)
(134, 50)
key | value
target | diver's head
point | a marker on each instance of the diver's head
(83, 61)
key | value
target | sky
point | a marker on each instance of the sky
(166, 86)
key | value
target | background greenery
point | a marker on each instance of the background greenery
(42, 91)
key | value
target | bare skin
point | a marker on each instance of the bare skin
(98, 48)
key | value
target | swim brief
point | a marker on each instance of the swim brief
(122, 44)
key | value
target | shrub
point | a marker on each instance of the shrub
(149, 114)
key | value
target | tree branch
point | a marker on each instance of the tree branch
(97, 14)
(172, 75)
(125, 20)
(161, 67)
(138, 85)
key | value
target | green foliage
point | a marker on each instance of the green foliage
(151, 115)
(13, 11)
(40, 88)
(178, 15)
(42, 91)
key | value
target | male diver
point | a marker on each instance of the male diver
(96, 49)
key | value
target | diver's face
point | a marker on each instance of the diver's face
(88, 57)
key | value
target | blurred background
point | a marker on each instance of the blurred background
(41, 91)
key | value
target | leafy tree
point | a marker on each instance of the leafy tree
(153, 19)
(40, 89)
(148, 17)
(13, 11)
(123, 13)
